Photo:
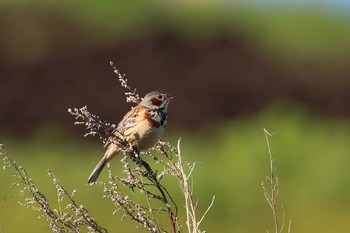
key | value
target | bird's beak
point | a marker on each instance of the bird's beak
(171, 97)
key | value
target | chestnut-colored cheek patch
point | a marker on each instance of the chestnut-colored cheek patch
(156, 101)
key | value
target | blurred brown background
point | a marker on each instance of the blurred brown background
(49, 63)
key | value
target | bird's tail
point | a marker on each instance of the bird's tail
(97, 170)
(110, 153)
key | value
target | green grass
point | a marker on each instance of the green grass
(311, 156)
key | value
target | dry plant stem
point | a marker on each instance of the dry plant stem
(190, 213)
(130, 208)
(78, 209)
(131, 96)
(151, 176)
(272, 192)
(272, 198)
(37, 196)
(59, 221)
(148, 199)
(191, 219)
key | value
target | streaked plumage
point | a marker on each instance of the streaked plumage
(142, 126)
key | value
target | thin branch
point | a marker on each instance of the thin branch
(205, 213)
(272, 194)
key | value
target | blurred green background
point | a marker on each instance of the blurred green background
(235, 67)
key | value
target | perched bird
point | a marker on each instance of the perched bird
(142, 127)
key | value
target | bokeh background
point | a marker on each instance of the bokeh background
(235, 67)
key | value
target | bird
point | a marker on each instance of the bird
(142, 127)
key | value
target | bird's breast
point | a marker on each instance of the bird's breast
(145, 133)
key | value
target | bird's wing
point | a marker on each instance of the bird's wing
(129, 120)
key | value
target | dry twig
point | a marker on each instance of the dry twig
(271, 192)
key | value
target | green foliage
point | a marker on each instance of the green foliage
(311, 157)
(311, 33)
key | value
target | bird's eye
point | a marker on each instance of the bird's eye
(160, 97)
